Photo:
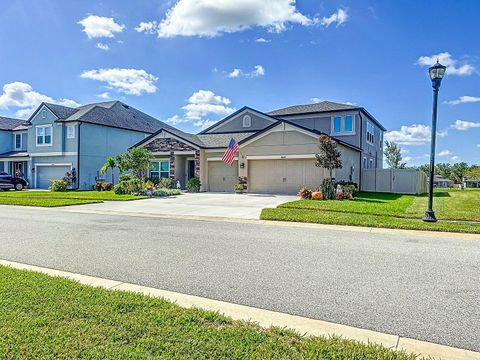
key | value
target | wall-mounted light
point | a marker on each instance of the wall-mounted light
(242, 165)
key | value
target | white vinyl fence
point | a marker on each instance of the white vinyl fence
(399, 181)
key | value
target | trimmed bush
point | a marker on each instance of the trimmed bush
(59, 185)
(305, 193)
(128, 185)
(165, 183)
(193, 185)
(166, 192)
(317, 195)
(107, 186)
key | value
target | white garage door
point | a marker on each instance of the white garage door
(47, 173)
(283, 176)
(222, 177)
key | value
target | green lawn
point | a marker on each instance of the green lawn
(457, 210)
(52, 199)
(44, 317)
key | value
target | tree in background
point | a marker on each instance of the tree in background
(109, 164)
(444, 170)
(458, 172)
(393, 155)
(473, 172)
(329, 157)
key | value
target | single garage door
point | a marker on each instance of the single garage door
(285, 176)
(47, 173)
(222, 177)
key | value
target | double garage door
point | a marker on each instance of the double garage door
(46, 173)
(283, 176)
(221, 177)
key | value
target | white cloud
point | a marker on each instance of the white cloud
(102, 46)
(453, 66)
(258, 70)
(99, 26)
(104, 95)
(235, 73)
(478, 145)
(215, 17)
(339, 17)
(407, 158)
(465, 125)
(463, 100)
(416, 134)
(444, 153)
(262, 40)
(455, 158)
(200, 105)
(150, 27)
(127, 81)
(316, 99)
(21, 95)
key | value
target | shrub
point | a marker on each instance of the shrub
(343, 183)
(149, 185)
(348, 189)
(305, 193)
(98, 186)
(107, 186)
(328, 189)
(193, 185)
(317, 195)
(126, 177)
(128, 185)
(344, 196)
(166, 192)
(238, 187)
(165, 183)
(59, 185)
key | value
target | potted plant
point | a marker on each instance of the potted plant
(238, 188)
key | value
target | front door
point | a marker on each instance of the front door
(18, 169)
(191, 169)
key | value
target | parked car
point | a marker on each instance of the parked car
(8, 182)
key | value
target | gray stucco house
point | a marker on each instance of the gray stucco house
(57, 139)
(276, 149)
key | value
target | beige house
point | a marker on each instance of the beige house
(276, 152)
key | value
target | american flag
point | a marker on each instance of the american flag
(229, 156)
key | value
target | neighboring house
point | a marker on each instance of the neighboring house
(57, 139)
(471, 183)
(441, 182)
(276, 150)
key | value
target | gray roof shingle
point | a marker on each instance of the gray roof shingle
(10, 123)
(222, 140)
(62, 112)
(322, 106)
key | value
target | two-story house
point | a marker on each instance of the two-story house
(58, 139)
(276, 149)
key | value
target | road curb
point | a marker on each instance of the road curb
(268, 318)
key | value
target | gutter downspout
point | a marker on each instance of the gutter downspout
(361, 152)
(78, 157)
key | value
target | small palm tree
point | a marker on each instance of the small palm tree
(109, 164)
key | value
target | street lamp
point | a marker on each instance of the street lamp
(436, 72)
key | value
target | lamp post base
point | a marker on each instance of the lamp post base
(429, 216)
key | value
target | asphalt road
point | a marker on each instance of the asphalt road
(414, 286)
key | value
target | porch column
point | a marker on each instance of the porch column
(172, 165)
(197, 163)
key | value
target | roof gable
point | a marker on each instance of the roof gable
(234, 122)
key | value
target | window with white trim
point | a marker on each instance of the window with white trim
(70, 131)
(247, 121)
(370, 133)
(343, 125)
(17, 141)
(160, 169)
(44, 135)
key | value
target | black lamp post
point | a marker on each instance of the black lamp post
(436, 72)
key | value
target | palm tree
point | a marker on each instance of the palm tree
(109, 164)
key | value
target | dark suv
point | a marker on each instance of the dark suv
(10, 182)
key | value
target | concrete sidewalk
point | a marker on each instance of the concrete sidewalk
(220, 205)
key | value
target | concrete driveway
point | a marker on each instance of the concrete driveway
(220, 205)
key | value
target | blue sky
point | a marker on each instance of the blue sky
(191, 64)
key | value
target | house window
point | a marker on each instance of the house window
(370, 164)
(18, 141)
(44, 114)
(44, 135)
(160, 169)
(364, 162)
(370, 132)
(343, 125)
(71, 132)
(247, 121)
(2, 166)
